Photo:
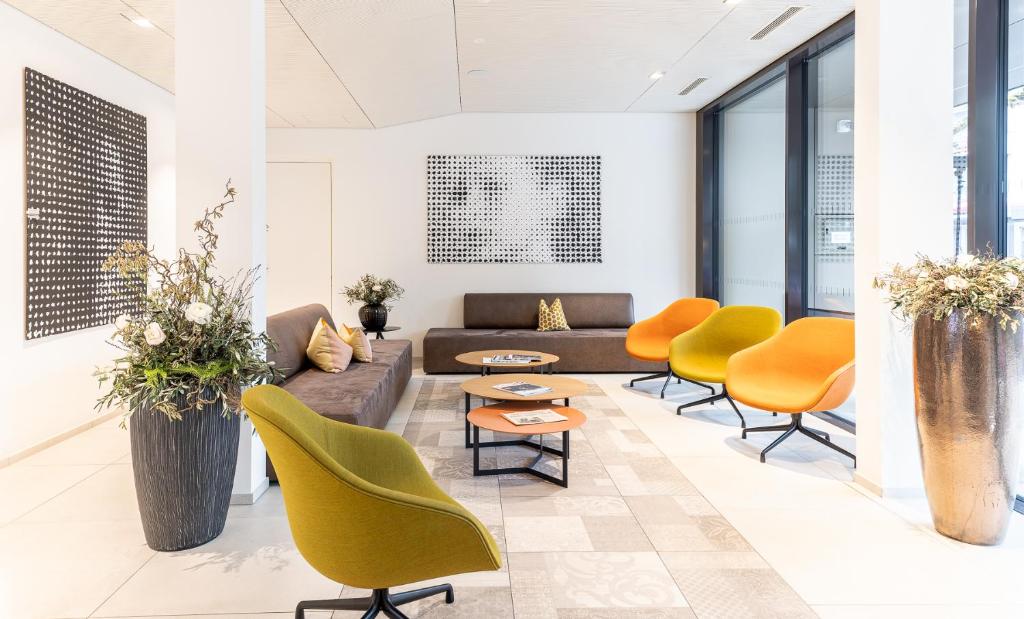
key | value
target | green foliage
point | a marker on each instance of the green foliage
(372, 290)
(194, 336)
(986, 285)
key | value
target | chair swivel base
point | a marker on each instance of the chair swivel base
(712, 399)
(380, 601)
(797, 425)
(668, 375)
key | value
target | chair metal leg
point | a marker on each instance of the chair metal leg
(789, 432)
(743, 422)
(830, 445)
(633, 382)
(797, 425)
(766, 429)
(698, 384)
(707, 400)
(711, 399)
(381, 601)
(668, 379)
(411, 596)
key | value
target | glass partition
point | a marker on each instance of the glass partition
(830, 179)
(752, 211)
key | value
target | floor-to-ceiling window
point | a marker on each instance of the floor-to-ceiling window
(961, 27)
(1015, 130)
(830, 181)
(752, 208)
(775, 186)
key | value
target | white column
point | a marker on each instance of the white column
(903, 204)
(220, 92)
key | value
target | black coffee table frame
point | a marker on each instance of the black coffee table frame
(528, 469)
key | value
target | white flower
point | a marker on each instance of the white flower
(955, 282)
(966, 260)
(154, 334)
(1012, 281)
(199, 313)
(377, 288)
(122, 321)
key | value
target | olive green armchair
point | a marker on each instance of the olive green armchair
(362, 508)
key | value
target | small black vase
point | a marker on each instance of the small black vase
(373, 316)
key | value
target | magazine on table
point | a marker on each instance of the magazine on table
(511, 359)
(527, 418)
(523, 389)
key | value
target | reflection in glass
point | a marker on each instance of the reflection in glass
(830, 174)
(752, 213)
(961, 26)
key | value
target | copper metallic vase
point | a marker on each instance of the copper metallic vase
(968, 375)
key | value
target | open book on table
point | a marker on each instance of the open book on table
(511, 359)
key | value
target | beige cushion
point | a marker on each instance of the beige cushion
(551, 318)
(356, 338)
(327, 350)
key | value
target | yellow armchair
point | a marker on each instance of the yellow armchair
(701, 354)
(362, 509)
(648, 339)
(807, 367)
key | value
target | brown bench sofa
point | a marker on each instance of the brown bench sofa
(365, 394)
(596, 342)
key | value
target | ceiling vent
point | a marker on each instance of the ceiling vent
(690, 87)
(783, 17)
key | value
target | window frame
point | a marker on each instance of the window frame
(793, 66)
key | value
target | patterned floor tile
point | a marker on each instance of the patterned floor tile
(684, 523)
(545, 584)
(733, 584)
(590, 550)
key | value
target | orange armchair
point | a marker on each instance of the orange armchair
(806, 367)
(648, 339)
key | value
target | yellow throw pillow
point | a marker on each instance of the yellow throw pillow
(551, 318)
(327, 350)
(356, 338)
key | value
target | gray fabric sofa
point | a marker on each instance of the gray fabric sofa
(596, 343)
(365, 394)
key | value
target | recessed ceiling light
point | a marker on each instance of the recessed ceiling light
(657, 75)
(479, 40)
(477, 72)
(138, 20)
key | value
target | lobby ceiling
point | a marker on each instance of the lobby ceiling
(377, 63)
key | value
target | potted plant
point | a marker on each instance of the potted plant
(374, 293)
(188, 353)
(968, 378)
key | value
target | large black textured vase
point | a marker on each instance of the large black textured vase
(184, 471)
(373, 316)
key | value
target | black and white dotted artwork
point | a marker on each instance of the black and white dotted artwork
(85, 179)
(514, 209)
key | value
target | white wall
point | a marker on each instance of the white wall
(46, 385)
(380, 207)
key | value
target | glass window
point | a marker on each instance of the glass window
(1015, 131)
(830, 173)
(961, 33)
(752, 207)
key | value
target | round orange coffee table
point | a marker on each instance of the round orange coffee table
(490, 418)
(476, 359)
(562, 388)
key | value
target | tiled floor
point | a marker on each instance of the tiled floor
(666, 516)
